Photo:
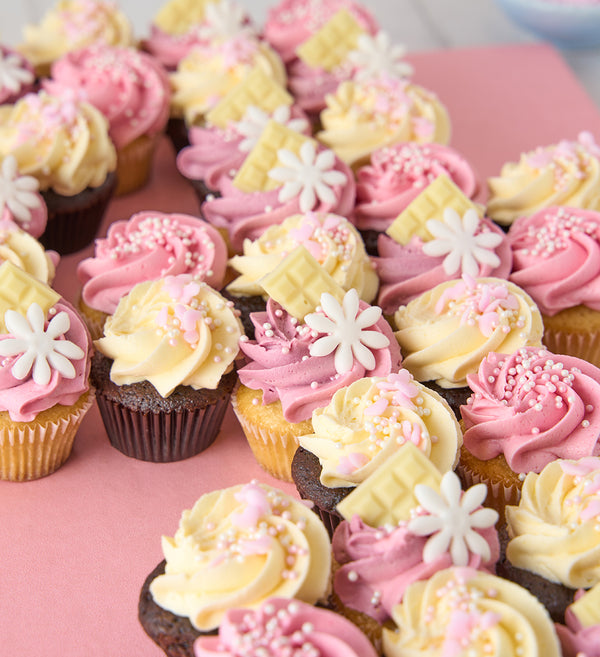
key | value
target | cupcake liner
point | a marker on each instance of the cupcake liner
(502, 491)
(134, 163)
(162, 437)
(585, 345)
(73, 221)
(31, 450)
(273, 446)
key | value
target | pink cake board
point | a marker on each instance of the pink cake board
(75, 547)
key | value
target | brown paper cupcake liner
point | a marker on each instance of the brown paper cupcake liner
(134, 164)
(31, 450)
(574, 343)
(177, 132)
(273, 446)
(73, 221)
(162, 437)
(502, 491)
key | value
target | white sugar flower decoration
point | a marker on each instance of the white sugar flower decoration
(255, 120)
(18, 193)
(453, 517)
(12, 73)
(344, 325)
(311, 176)
(40, 349)
(224, 20)
(458, 240)
(376, 56)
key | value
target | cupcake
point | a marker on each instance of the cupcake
(566, 173)
(236, 548)
(17, 76)
(396, 175)
(231, 129)
(65, 145)
(290, 23)
(20, 200)
(446, 332)
(440, 236)
(581, 633)
(374, 566)
(281, 624)
(133, 92)
(164, 370)
(362, 426)
(555, 262)
(147, 246)
(209, 72)
(364, 115)
(181, 25)
(45, 349)
(528, 408)
(286, 173)
(554, 545)
(461, 610)
(294, 366)
(70, 25)
(333, 241)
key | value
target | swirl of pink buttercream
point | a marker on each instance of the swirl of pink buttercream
(397, 174)
(247, 216)
(170, 49)
(280, 364)
(24, 398)
(131, 88)
(577, 640)
(310, 85)
(533, 407)
(148, 246)
(405, 271)
(291, 22)
(285, 628)
(214, 154)
(556, 258)
(376, 565)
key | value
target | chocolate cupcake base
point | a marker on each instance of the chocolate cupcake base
(73, 221)
(174, 634)
(306, 473)
(142, 424)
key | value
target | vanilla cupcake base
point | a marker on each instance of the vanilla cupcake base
(31, 450)
(134, 163)
(272, 439)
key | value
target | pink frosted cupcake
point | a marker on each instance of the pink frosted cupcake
(556, 256)
(288, 375)
(373, 566)
(132, 90)
(17, 76)
(215, 154)
(311, 178)
(528, 408)
(149, 245)
(470, 245)
(44, 371)
(396, 175)
(580, 635)
(181, 25)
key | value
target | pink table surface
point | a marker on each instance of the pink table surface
(75, 547)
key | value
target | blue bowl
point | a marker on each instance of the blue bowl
(565, 25)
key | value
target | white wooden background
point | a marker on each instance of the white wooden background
(418, 24)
